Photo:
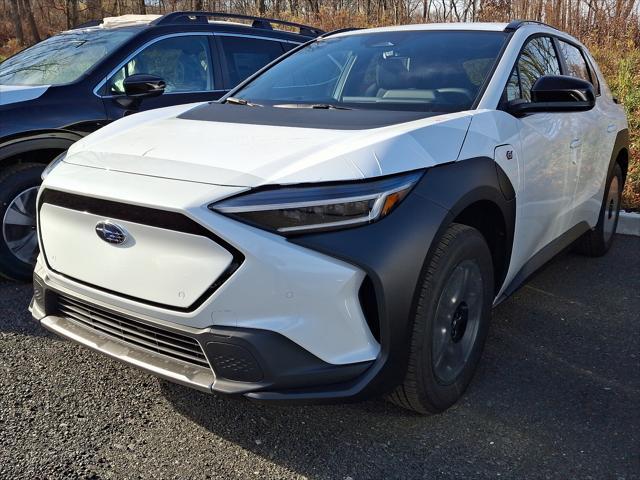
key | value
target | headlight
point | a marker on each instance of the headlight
(56, 161)
(298, 209)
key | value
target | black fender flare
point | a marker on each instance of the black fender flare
(621, 143)
(395, 251)
(40, 140)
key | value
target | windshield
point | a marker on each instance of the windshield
(63, 58)
(432, 71)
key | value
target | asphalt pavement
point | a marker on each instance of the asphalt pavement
(557, 395)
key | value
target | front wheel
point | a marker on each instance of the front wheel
(18, 239)
(450, 323)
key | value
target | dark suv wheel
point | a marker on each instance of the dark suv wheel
(18, 237)
(450, 324)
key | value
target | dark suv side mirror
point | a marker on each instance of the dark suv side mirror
(556, 93)
(143, 86)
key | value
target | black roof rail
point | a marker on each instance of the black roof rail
(257, 22)
(90, 23)
(516, 24)
(339, 30)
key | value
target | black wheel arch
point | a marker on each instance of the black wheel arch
(30, 147)
(394, 252)
(620, 154)
(478, 193)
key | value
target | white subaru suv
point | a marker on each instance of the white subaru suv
(341, 224)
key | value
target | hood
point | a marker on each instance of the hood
(168, 143)
(20, 93)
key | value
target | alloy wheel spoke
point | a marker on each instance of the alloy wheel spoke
(19, 226)
(23, 244)
(15, 216)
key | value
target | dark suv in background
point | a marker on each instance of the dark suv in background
(59, 90)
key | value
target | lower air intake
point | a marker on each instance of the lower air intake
(134, 332)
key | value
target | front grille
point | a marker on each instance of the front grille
(146, 216)
(133, 332)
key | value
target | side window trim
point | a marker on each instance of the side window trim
(100, 89)
(222, 59)
(517, 69)
(559, 55)
(593, 74)
(216, 60)
(257, 37)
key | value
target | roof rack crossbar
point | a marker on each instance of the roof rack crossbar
(257, 22)
(516, 24)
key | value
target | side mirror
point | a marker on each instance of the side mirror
(143, 86)
(556, 93)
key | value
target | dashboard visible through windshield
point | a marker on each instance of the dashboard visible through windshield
(431, 71)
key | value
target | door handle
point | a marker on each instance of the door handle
(611, 128)
(575, 143)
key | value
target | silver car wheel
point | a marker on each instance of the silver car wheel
(19, 226)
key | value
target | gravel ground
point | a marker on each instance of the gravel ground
(556, 396)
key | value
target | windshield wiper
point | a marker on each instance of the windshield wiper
(316, 106)
(328, 106)
(241, 101)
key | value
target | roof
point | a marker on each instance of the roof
(475, 26)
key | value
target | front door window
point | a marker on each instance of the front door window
(183, 62)
(538, 58)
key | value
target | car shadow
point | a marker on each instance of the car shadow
(555, 393)
(14, 313)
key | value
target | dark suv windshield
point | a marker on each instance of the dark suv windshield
(63, 58)
(434, 71)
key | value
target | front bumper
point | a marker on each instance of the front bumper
(251, 362)
(297, 308)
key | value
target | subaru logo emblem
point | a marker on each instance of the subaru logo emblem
(111, 233)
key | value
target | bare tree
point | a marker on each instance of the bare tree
(601, 19)
(72, 13)
(31, 21)
(94, 9)
(17, 22)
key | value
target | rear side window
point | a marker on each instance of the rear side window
(244, 56)
(576, 63)
(538, 58)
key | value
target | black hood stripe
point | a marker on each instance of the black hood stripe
(357, 119)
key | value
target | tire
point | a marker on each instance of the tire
(18, 190)
(429, 387)
(598, 241)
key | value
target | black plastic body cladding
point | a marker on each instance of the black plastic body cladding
(247, 360)
(621, 143)
(393, 253)
(244, 359)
